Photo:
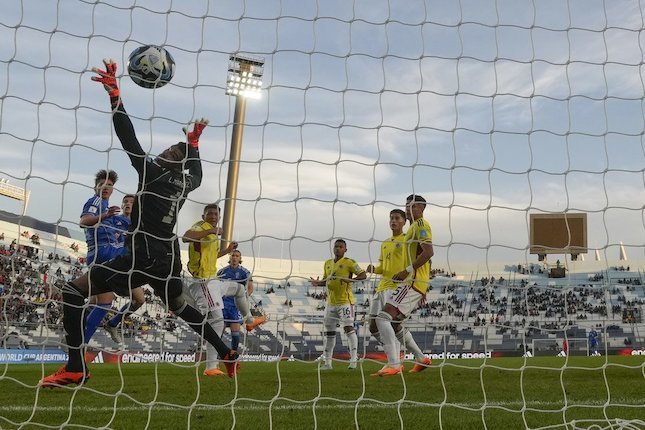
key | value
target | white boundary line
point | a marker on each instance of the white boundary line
(365, 404)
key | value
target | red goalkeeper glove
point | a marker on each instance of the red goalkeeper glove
(107, 77)
(193, 136)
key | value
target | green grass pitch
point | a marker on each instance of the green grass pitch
(512, 393)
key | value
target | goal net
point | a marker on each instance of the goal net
(492, 110)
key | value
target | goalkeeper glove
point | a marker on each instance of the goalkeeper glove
(107, 77)
(193, 136)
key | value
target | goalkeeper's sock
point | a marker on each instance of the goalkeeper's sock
(126, 309)
(196, 321)
(384, 324)
(235, 340)
(95, 318)
(73, 301)
(353, 345)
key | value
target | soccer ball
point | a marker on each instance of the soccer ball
(151, 66)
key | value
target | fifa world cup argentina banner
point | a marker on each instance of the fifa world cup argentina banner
(28, 356)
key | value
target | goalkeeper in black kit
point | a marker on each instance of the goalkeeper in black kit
(152, 255)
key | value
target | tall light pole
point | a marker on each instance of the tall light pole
(244, 81)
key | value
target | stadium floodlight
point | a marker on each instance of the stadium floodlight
(244, 76)
(14, 192)
(244, 81)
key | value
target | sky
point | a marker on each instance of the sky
(492, 110)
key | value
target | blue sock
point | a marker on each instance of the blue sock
(116, 319)
(235, 339)
(94, 319)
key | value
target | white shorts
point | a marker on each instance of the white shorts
(379, 300)
(229, 288)
(406, 299)
(207, 296)
(342, 315)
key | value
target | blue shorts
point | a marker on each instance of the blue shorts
(105, 253)
(231, 314)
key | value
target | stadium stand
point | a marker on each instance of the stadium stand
(486, 314)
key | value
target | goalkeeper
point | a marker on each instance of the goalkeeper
(152, 250)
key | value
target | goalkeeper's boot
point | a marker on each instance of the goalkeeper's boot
(62, 377)
(256, 322)
(420, 367)
(388, 370)
(232, 363)
(114, 333)
(214, 372)
(353, 363)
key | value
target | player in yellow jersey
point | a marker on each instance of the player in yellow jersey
(204, 244)
(203, 251)
(392, 261)
(339, 273)
(411, 292)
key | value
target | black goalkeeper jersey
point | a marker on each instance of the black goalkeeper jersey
(161, 191)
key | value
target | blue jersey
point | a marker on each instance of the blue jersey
(593, 337)
(98, 238)
(240, 275)
(119, 225)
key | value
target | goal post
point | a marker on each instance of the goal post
(551, 347)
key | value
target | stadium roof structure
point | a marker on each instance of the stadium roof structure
(33, 223)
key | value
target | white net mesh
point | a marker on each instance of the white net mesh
(491, 109)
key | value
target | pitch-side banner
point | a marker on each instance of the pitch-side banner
(28, 356)
(165, 357)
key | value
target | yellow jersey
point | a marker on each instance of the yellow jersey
(202, 255)
(337, 275)
(390, 262)
(419, 232)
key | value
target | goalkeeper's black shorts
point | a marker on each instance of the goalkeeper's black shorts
(154, 264)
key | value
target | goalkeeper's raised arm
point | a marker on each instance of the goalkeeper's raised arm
(152, 256)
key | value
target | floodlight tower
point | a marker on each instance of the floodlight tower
(14, 192)
(244, 81)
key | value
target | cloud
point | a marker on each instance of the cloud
(490, 120)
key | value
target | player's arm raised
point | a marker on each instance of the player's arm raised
(193, 162)
(232, 246)
(122, 124)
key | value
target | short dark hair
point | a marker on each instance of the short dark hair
(104, 175)
(416, 198)
(341, 241)
(128, 196)
(398, 211)
(211, 206)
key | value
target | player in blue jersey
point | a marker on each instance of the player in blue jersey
(235, 272)
(593, 343)
(95, 220)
